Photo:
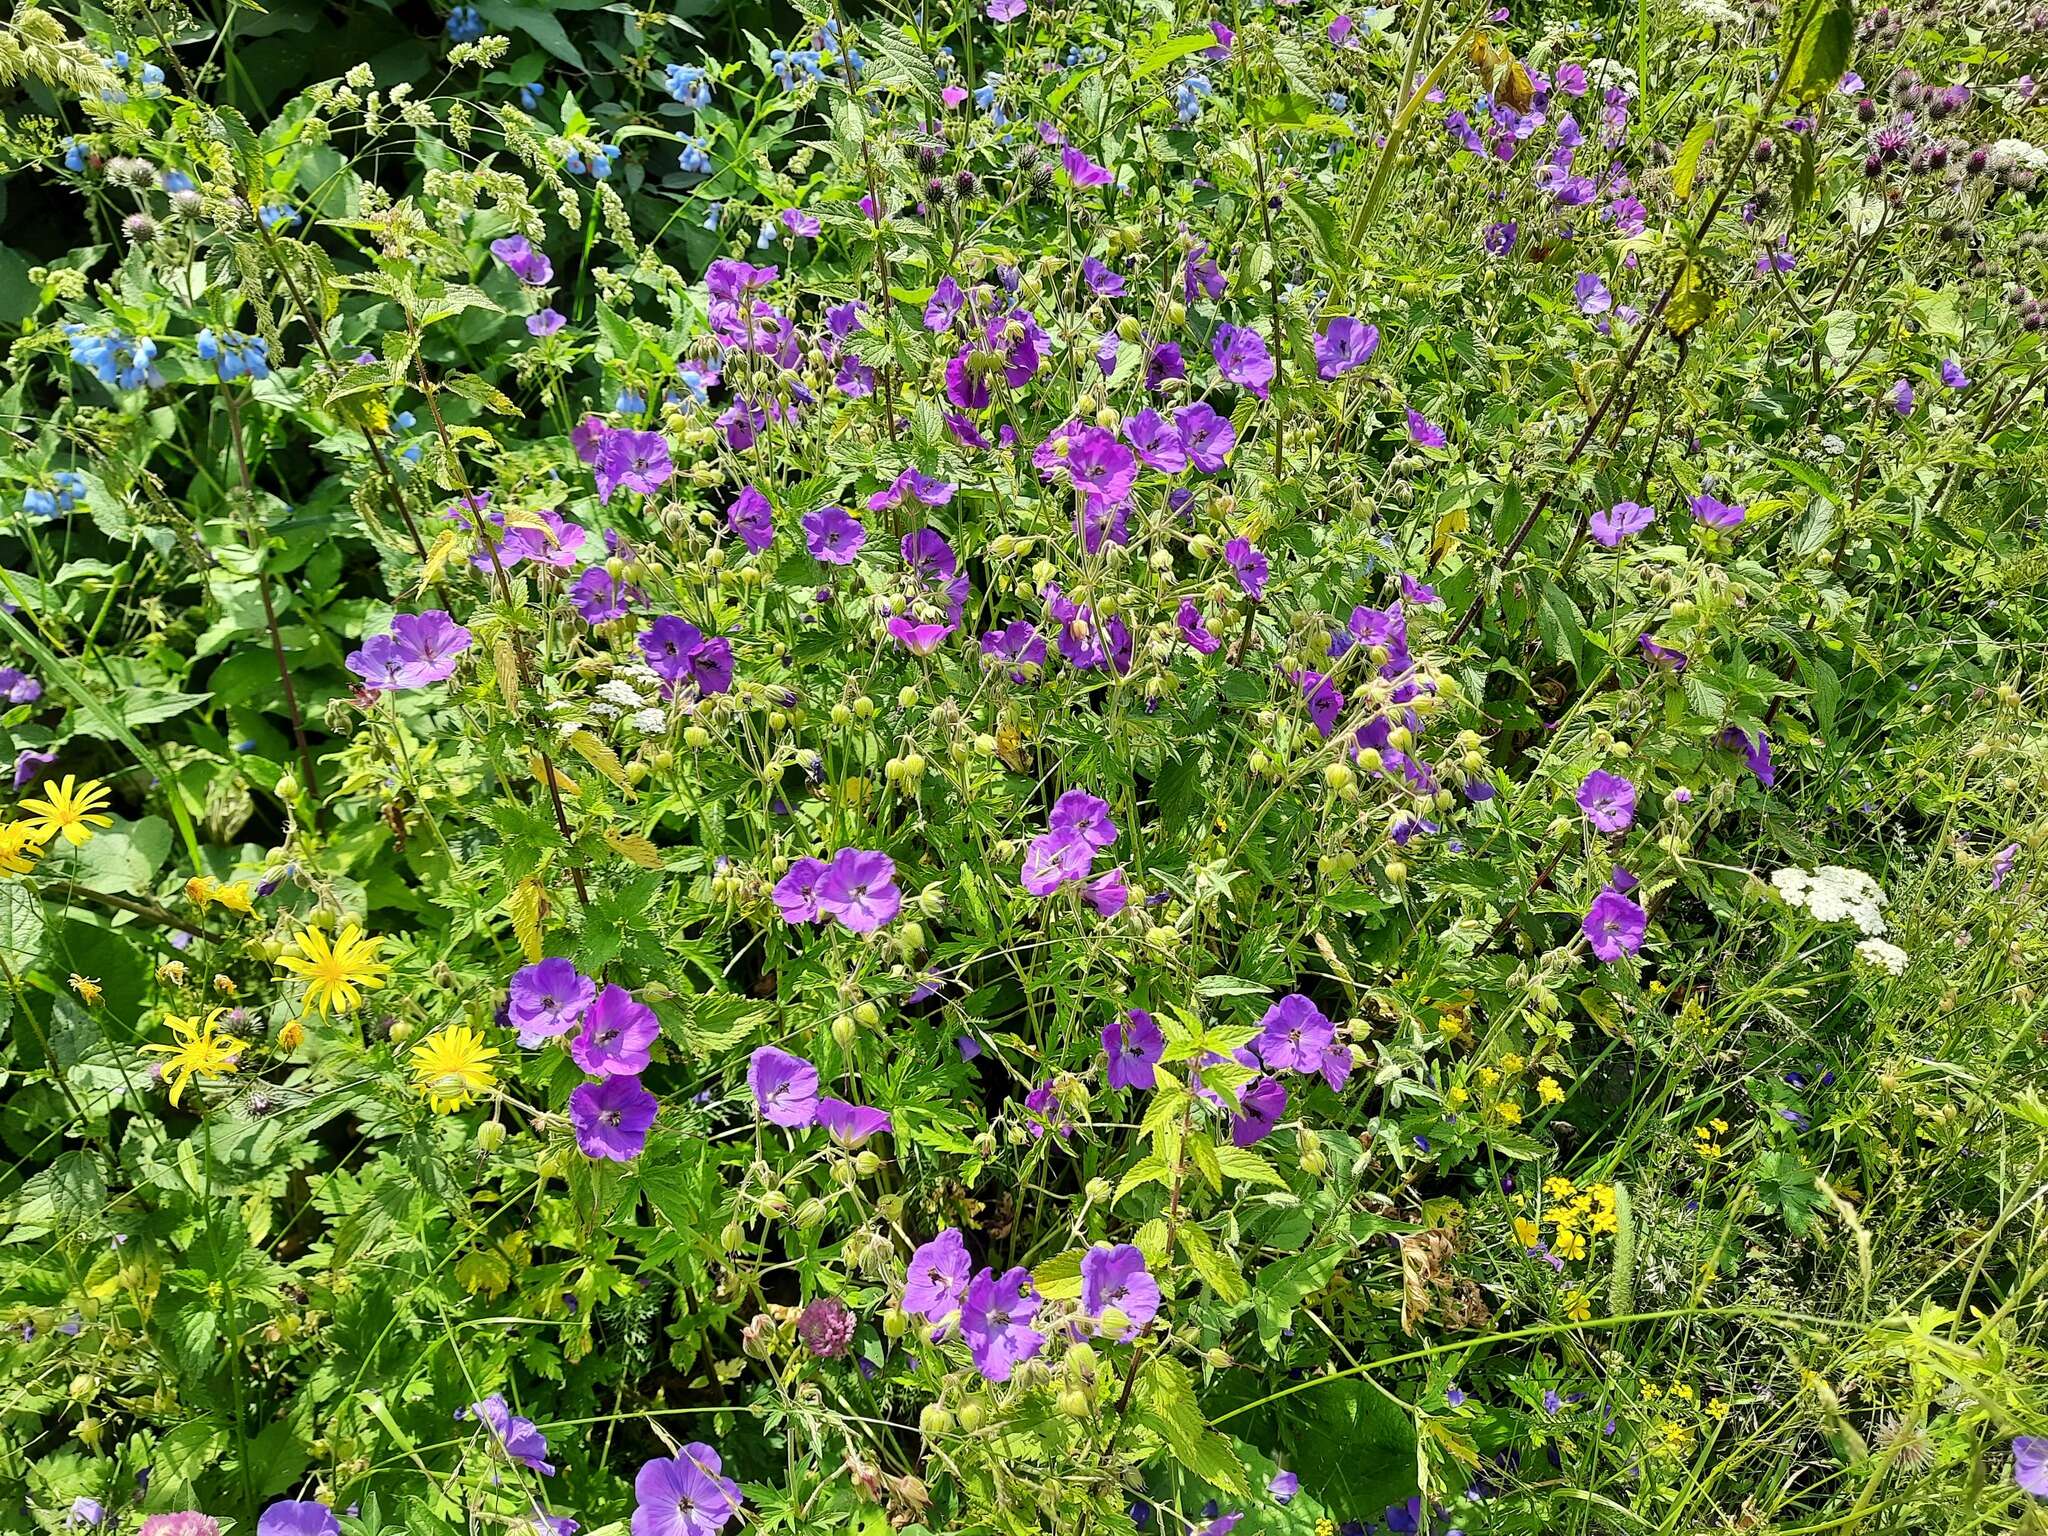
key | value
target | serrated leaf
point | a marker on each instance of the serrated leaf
(483, 1273)
(505, 663)
(528, 907)
(1686, 168)
(1059, 1278)
(600, 756)
(1819, 55)
(1219, 1269)
(1147, 1170)
(633, 848)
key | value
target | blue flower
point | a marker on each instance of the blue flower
(235, 355)
(64, 491)
(465, 24)
(693, 160)
(276, 216)
(115, 360)
(690, 84)
(74, 155)
(531, 94)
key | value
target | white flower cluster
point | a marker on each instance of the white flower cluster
(1888, 958)
(2016, 154)
(1834, 894)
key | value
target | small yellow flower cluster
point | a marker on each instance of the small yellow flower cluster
(68, 810)
(1706, 1139)
(1576, 1217)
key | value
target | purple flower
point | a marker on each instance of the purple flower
(1615, 925)
(547, 999)
(617, 1037)
(2001, 864)
(545, 322)
(1156, 442)
(1205, 437)
(1164, 363)
(1134, 1045)
(1716, 513)
(1345, 344)
(834, 535)
(1196, 632)
(1250, 567)
(684, 1495)
(1283, 1487)
(851, 1124)
(1100, 467)
(1499, 239)
(298, 1517)
(1078, 814)
(1082, 171)
(678, 652)
(1293, 1036)
(600, 597)
(1423, 431)
(802, 225)
(1417, 592)
(912, 482)
(28, 763)
(826, 1327)
(1105, 283)
(1259, 1109)
(1902, 397)
(633, 461)
(1107, 893)
(85, 1511)
(17, 687)
(752, 518)
(785, 1088)
(1608, 800)
(1242, 358)
(1591, 294)
(995, 1320)
(1952, 374)
(518, 1437)
(1117, 1277)
(796, 893)
(859, 889)
(1019, 642)
(612, 1118)
(1324, 702)
(181, 1522)
(1051, 860)
(1662, 655)
(935, 1283)
(1002, 12)
(2030, 1464)
(531, 267)
(1617, 522)
(1756, 752)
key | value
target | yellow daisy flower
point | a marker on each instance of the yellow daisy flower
(69, 810)
(199, 1051)
(236, 898)
(19, 848)
(87, 987)
(451, 1067)
(336, 973)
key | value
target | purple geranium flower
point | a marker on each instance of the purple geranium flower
(796, 893)
(752, 518)
(1080, 814)
(518, 1437)
(1117, 1277)
(785, 1087)
(1156, 442)
(1134, 1046)
(1197, 634)
(2030, 1464)
(617, 1037)
(298, 1517)
(1952, 374)
(1293, 1036)
(1205, 437)
(1716, 513)
(684, 1495)
(531, 267)
(601, 597)
(1608, 800)
(612, 1118)
(859, 889)
(1756, 752)
(1424, 431)
(1614, 924)
(1242, 358)
(547, 999)
(1608, 528)
(29, 762)
(995, 1320)
(1345, 344)
(1250, 567)
(1259, 1109)
(935, 1283)
(834, 535)
(851, 1124)
(633, 461)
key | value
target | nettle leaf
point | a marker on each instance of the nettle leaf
(1166, 1394)
(1818, 54)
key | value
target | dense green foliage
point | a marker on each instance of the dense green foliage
(1023, 768)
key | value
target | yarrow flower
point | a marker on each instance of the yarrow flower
(1834, 893)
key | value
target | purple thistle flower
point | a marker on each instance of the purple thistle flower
(1344, 345)
(1608, 800)
(785, 1088)
(612, 1118)
(995, 1320)
(1117, 1277)
(1242, 358)
(547, 999)
(1134, 1046)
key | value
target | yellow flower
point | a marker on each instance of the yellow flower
(1527, 1232)
(1558, 1187)
(1512, 1062)
(451, 1067)
(291, 1036)
(199, 1050)
(1459, 1096)
(19, 848)
(1718, 1407)
(88, 988)
(200, 888)
(1508, 1112)
(171, 973)
(1578, 1307)
(69, 810)
(1548, 1091)
(1570, 1243)
(235, 897)
(336, 974)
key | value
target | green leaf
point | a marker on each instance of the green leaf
(537, 23)
(1159, 55)
(1167, 1393)
(1686, 168)
(21, 927)
(124, 859)
(1217, 1268)
(1819, 54)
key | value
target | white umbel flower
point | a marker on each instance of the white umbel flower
(1888, 958)
(1834, 893)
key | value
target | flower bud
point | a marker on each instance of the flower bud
(490, 1136)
